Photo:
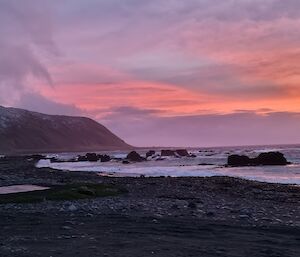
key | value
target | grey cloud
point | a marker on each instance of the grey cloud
(237, 10)
(19, 61)
(129, 114)
(129, 27)
(26, 38)
(201, 9)
(36, 102)
(27, 23)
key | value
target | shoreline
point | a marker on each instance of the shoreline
(117, 169)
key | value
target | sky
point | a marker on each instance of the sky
(158, 73)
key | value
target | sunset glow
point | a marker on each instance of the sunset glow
(149, 60)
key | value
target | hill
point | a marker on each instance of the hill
(23, 131)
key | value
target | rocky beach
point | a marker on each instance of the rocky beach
(153, 216)
(134, 128)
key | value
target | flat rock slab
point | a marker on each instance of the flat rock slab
(20, 189)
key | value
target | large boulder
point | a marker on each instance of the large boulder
(104, 158)
(135, 157)
(176, 153)
(182, 152)
(167, 153)
(92, 157)
(270, 158)
(238, 160)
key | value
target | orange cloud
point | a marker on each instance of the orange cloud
(222, 66)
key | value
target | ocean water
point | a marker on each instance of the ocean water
(215, 158)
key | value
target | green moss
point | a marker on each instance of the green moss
(61, 193)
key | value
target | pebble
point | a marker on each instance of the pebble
(66, 228)
(72, 208)
(266, 219)
(244, 216)
(210, 213)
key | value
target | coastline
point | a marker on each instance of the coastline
(179, 209)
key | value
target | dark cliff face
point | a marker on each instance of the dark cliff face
(23, 131)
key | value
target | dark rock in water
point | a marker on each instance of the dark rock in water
(135, 157)
(182, 152)
(167, 153)
(176, 153)
(92, 157)
(35, 157)
(81, 158)
(125, 162)
(150, 153)
(238, 160)
(271, 158)
(104, 158)
(193, 155)
(55, 160)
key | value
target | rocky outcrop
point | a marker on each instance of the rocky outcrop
(89, 157)
(270, 158)
(93, 157)
(150, 153)
(182, 152)
(238, 160)
(135, 157)
(176, 153)
(167, 153)
(82, 158)
(104, 158)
